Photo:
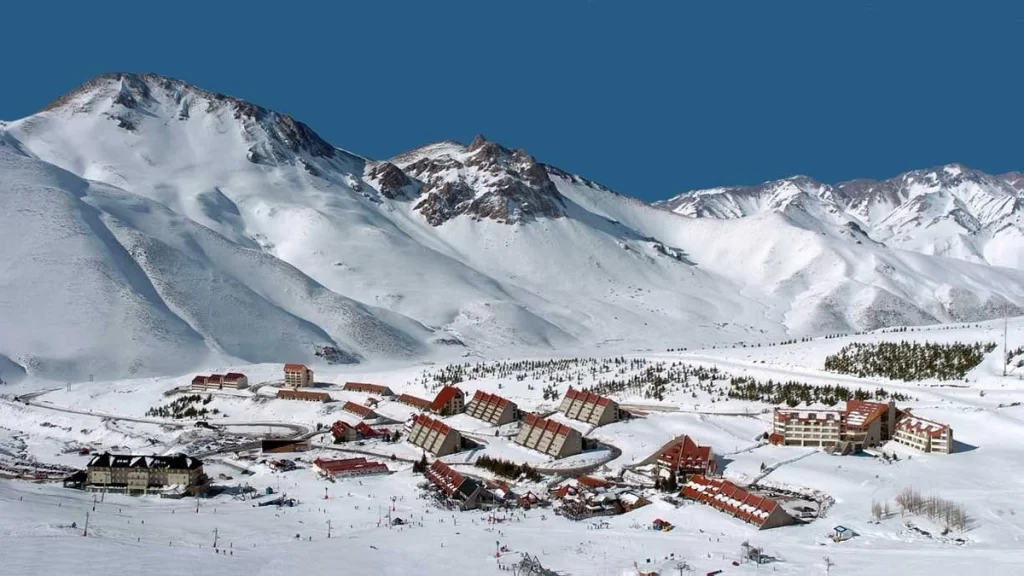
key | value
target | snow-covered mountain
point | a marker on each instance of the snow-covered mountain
(951, 211)
(155, 227)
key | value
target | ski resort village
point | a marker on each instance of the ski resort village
(230, 347)
(729, 461)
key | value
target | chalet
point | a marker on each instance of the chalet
(450, 400)
(589, 407)
(297, 375)
(359, 410)
(231, 380)
(549, 437)
(305, 395)
(466, 492)
(348, 467)
(434, 436)
(344, 432)
(374, 389)
(492, 408)
(142, 474)
(281, 445)
(726, 497)
(925, 435)
(686, 457)
(414, 401)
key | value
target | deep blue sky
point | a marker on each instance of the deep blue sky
(649, 98)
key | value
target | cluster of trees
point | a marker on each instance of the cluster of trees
(950, 513)
(908, 360)
(1013, 354)
(508, 469)
(420, 466)
(670, 484)
(184, 407)
(793, 393)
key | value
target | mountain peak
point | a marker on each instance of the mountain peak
(133, 99)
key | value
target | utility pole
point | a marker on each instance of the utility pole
(215, 534)
(1006, 322)
(85, 532)
(828, 565)
(328, 528)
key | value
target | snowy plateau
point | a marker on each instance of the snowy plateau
(151, 231)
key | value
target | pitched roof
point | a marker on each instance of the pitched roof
(414, 401)
(587, 397)
(288, 394)
(486, 398)
(444, 396)
(367, 387)
(921, 427)
(860, 414)
(172, 461)
(359, 410)
(234, 376)
(727, 497)
(199, 380)
(451, 482)
(805, 415)
(349, 465)
(428, 422)
(547, 425)
(295, 367)
(687, 454)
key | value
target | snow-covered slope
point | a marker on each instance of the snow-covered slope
(950, 211)
(203, 226)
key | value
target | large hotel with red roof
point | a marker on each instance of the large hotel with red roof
(860, 425)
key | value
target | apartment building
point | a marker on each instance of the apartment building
(297, 375)
(141, 474)
(434, 436)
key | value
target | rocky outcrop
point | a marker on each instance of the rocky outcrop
(485, 181)
(390, 180)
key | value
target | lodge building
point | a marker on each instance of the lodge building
(142, 474)
(450, 400)
(297, 375)
(467, 493)
(589, 407)
(231, 381)
(416, 402)
(549, 437)
(366, 388)
(303, 395)
(925, 435)
(726, 497)
(492, 409)
(686, 457)
(363, 412)
(434, 436)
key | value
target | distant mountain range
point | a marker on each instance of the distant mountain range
(151, 227)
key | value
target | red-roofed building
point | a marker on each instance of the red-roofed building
(348, 467)
(414, 401)
(450, 400)
(925, 435)
(434, 436)
(285, 394)
(686, 457)
(231, 380)
(344, 432)
(727, 497)
(359, 410)
(860, 425)
(550, 437)
(466, 492)
(297, 375)
(589, 407)
(492, 408)
(366, 388)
